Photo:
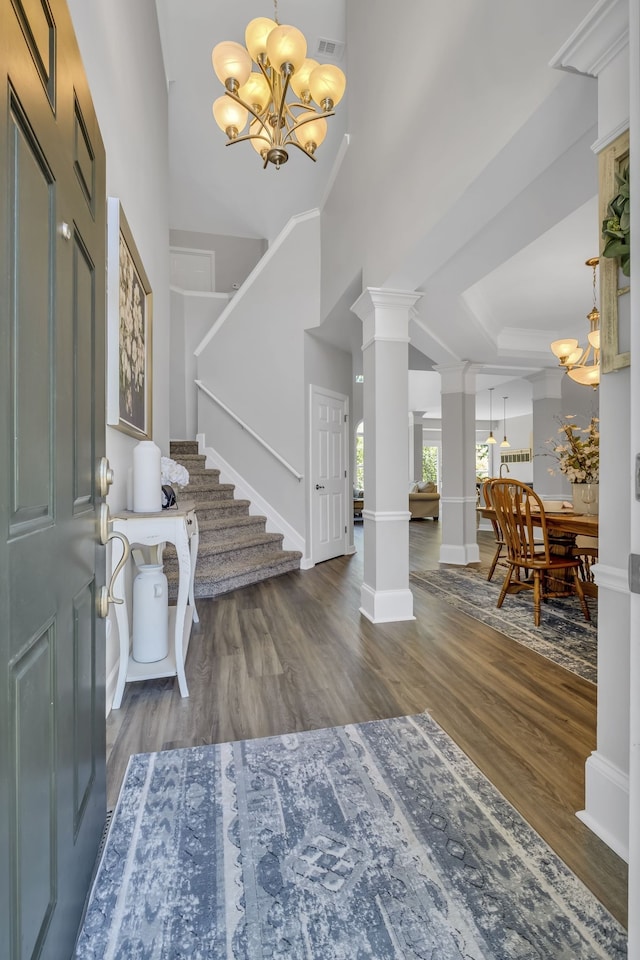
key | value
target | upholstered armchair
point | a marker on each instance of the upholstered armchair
(424, 501)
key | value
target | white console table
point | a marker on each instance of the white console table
(179, 527)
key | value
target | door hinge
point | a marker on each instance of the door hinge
(345, 529)
(345, 474)
(346, 417)
(634, 573)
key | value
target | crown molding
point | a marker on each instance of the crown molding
(597, 40)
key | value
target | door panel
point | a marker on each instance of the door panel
(328, 470)
(52, 314)
(31, 211)
(34, 813)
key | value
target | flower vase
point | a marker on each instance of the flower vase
(585, 498)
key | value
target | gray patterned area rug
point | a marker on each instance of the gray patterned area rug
(563, 636)
(378, 841)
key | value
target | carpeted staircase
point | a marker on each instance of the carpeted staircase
(235, 549)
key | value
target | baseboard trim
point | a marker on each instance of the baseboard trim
(275, 522)
(606, 810)
(386, 606)
(460, 555)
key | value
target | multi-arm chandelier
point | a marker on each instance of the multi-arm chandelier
(260, 97)
(583, 366)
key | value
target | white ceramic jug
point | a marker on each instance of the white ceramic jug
(150, 614)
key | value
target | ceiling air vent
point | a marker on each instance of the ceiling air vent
(331, 48)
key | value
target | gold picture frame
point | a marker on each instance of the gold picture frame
(129, 331)
(613, 285)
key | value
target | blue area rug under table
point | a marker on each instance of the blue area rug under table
(563, 636)
(374, 841)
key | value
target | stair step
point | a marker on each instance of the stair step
(235, 549)
(190, 459)
(214, 509)
(214, 578)
(182, 447)
(207, 492)
(227, 524)
(200, 478)
(246, 548)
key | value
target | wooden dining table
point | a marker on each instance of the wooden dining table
(559, 522)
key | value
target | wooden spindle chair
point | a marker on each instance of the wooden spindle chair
(547, 574)
(500, 544)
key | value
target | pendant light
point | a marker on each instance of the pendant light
(505, 442)
(583, 366)
(491, 438)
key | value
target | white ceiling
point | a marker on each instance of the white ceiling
(543, 291)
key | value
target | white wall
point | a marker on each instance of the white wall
(235, 256)
(255, 364)
(192, 316)
(120, 46)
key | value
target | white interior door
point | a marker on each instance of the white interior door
(328, 474)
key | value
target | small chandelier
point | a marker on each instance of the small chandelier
(491, 438)
(583, 366)
(277, 123)
(505, 442)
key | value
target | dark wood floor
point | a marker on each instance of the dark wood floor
(295, 654)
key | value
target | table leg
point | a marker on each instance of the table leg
(184, 578)
(195, 542)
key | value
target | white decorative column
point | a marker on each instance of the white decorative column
(599, 47)
(458, 495)
(547, 408)
(385, 594)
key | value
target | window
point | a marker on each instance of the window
(482, 460)
(430, 465)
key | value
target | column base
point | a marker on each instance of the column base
(386, 606)
(459, 555)
(606, 810)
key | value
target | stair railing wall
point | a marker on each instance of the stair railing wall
(252, 363)
(245, 426)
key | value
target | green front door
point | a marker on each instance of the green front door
(52, 307)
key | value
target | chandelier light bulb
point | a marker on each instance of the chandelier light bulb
(230, 116)
(594, 339)
(311, 131)
(327, 84)
(562, 348)
(231, 63)
(256, 92)
(255, 37)
(300, 80)
(588, 376)
(286, 48)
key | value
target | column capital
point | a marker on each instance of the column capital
(547, 383)
(458, 377)
(385, 314)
